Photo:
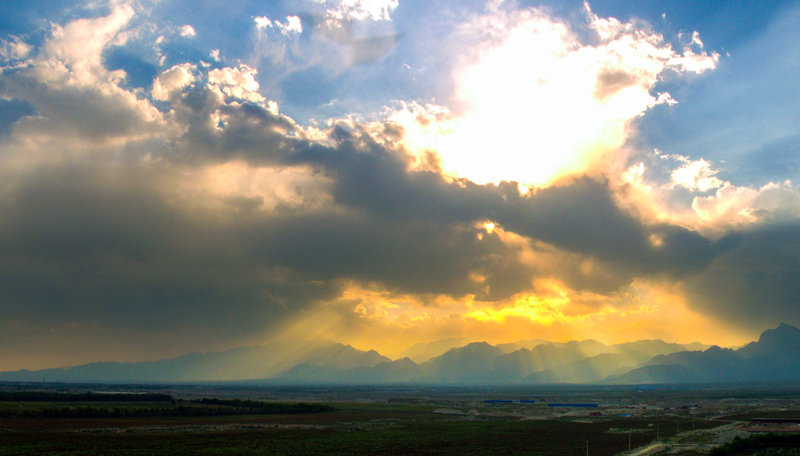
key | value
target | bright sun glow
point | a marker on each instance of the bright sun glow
(532, 114)
(541, 105)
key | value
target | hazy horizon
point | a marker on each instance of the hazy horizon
(179, 177)
(391, 355)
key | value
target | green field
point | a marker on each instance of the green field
(193, 420)
(420, 438)
(350, 429)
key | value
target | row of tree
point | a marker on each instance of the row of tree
(40, 396)
(275, 408)
(174, 411)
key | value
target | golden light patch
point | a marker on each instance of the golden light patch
(368, 317)
(659, 310)
(542, 310)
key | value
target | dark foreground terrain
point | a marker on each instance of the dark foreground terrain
(211, 420)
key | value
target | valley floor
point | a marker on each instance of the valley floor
(392, 421)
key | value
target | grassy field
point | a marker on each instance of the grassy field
(761, 445)
(365, 424)
(353, 429)
(419, 438)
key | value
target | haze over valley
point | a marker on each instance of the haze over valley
(774, 357)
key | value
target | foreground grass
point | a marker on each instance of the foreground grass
(762, 445)
(461, 438)
(47, 426)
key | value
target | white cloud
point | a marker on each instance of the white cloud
(172, 80)
(730, 207)
(236, 82)
(188, 31)
(75, 96)
(262, 22)
(78, 46)
(744, 207)
(292, 25)
(14, 49)
(695, 63)
(696, 39)
(376, 10)
(696, 175)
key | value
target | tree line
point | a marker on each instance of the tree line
(276, 408)
(199, 407)
(40, 396)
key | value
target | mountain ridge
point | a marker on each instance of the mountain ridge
(774, 356)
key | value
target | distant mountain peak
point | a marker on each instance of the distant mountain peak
(404, 362)
(783, 328)
(422, 352)
(781, 338)
(474, 348)
(479, 344)
(783, 334)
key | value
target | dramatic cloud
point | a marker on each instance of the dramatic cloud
(374, 172)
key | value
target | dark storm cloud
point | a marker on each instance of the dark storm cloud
(404, 256)
(756, 284)
(409, 231)
(581, 217)
(584, 218)
(119, 245)
(251, 133)
(80, 242)
(83, 243)
(77, 212)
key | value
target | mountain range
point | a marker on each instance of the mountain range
(775, 356)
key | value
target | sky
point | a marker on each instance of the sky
(182, 176)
